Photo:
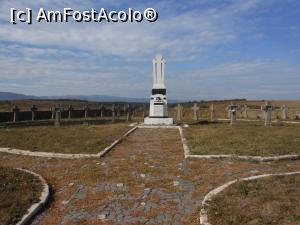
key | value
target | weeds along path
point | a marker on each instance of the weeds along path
(143, 180)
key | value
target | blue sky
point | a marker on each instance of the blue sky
(215, 49)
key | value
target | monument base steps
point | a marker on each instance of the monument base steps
(158, 121)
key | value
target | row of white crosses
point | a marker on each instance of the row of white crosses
(196, 112)
(232, 110)
(267, 109)
(284, 111)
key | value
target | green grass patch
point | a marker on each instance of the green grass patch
(18, 191)
(266, 201)
(64, 139)
(244, 139)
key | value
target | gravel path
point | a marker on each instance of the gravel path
(144, 180)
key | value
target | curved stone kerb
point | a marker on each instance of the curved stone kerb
(36, 207)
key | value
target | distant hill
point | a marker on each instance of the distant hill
(14, 96)
(98, 98)
(4, 96)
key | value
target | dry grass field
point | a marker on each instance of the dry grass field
(64, 139)
(18, 191)
(246, 138)
(267, 201)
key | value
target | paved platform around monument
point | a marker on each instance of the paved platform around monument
(145, 179)
(158, 121)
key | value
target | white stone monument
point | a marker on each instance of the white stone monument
(267, 108)
(232, 108)
(158, 113)
(179, 112)
(284, 109)
(196, 109)
(245, 109)
(212, 113)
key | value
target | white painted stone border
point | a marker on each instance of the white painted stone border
(245, 157)
(186, 148)
(36, 207)
(107, 149)
(292, 122)
(256, 120)
(208, 197)
(66, 156)
(46, 154)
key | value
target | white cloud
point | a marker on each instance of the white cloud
(252, 79)
(237, 68)
(181, 35)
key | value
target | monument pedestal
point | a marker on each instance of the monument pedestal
(158, 121)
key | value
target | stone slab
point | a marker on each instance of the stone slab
(158, 121)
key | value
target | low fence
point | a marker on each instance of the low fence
(113, 111)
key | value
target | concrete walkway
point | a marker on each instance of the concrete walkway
(144, 180)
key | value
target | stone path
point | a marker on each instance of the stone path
(144, 180)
